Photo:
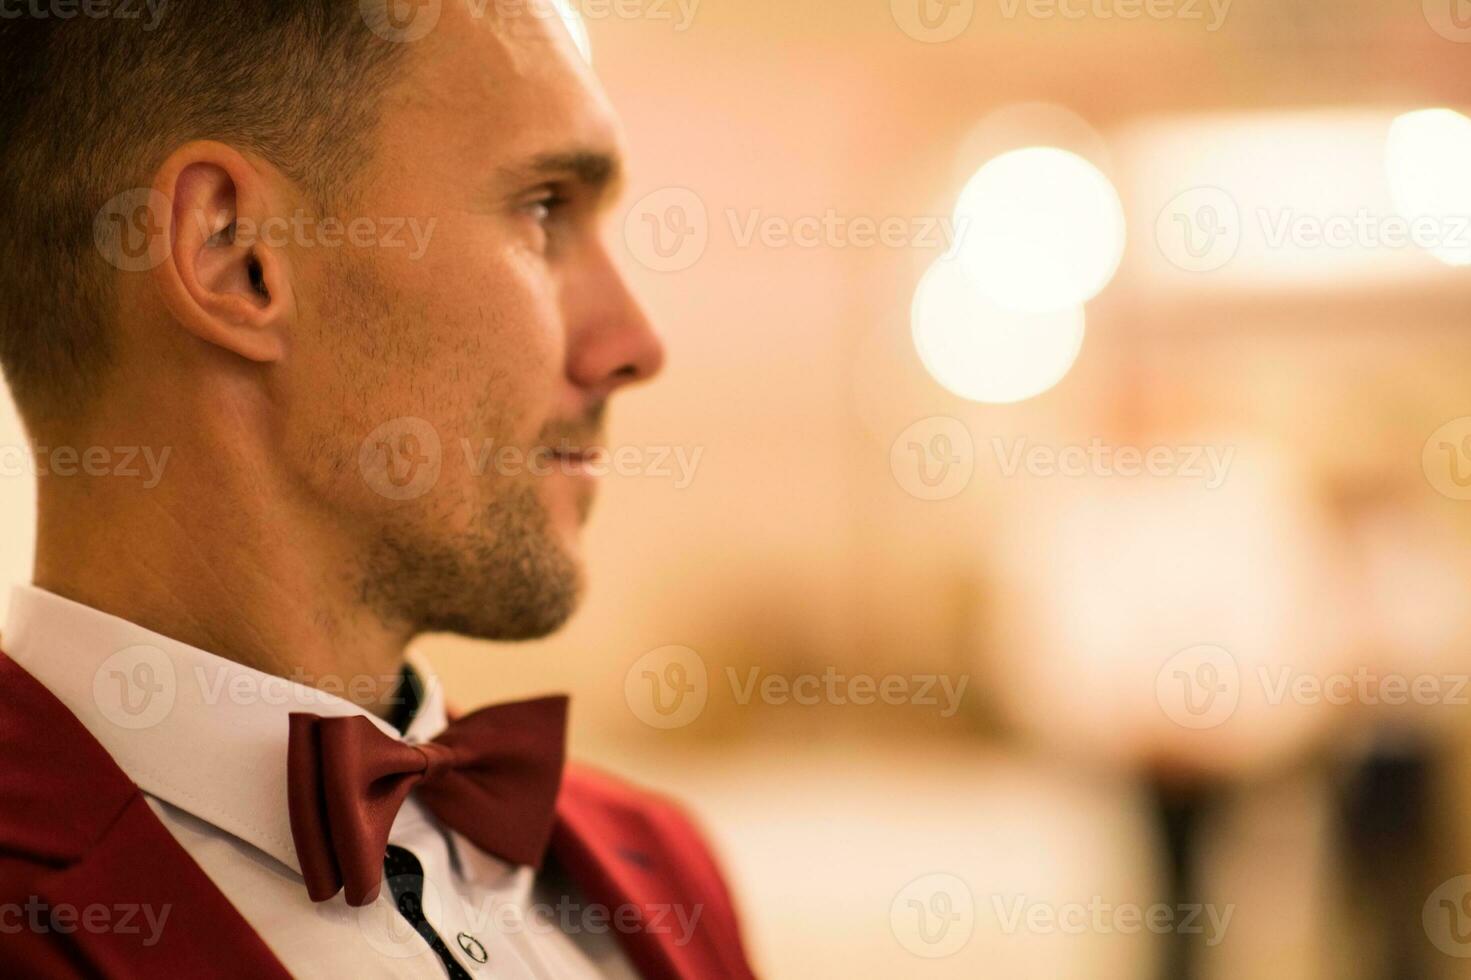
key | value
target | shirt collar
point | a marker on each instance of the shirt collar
(202, 733)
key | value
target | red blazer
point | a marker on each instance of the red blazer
(75, 832)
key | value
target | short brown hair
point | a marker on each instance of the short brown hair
(97, 102)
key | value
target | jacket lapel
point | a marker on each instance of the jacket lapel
(101, 852)
(627, 850)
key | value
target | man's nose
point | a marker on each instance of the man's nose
(612, 343)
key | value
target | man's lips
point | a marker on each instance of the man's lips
(576, 459)
(587, 453)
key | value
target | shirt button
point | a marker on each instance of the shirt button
(472, 947)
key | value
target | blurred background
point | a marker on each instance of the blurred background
(1044, 554)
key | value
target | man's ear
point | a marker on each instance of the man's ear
(222, 278)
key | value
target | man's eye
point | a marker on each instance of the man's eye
(546, 207)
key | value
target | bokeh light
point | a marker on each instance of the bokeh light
(983, 352)
(1040, 230)
(1428, 157)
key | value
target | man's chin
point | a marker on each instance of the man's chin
(522, 582)
(511, 618)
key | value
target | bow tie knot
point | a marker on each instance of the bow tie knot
(492, 776)
(438, 759)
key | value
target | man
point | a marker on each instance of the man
(292, 253)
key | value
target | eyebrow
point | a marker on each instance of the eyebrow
(593, 168)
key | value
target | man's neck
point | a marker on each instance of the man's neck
(259, 589)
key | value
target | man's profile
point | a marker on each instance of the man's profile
(300, 248)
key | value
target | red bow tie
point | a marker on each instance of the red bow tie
(493, 776)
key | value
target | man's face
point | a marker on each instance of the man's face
(487, 348)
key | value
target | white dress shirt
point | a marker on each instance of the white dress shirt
(205, 739)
